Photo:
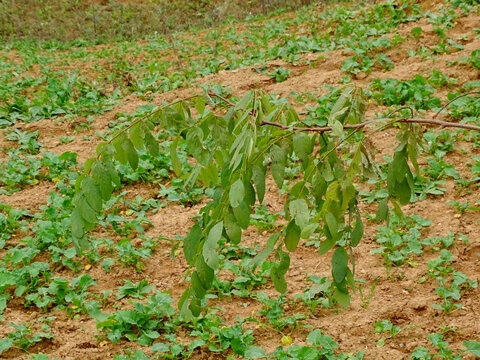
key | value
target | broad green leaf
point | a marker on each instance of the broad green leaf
(325, 246)
(342, 103)
(249, 193)
(299, 211)
(78, 229)
(357, 231)
(264, 254)
(5, 344)
(242, 214)
(190, 243)
(403, 191)
(292, 236)
(92, 193)
(197, 286)
(131, 153)
(254, 352)
(278, 272)
(82, 206)
(473, 347)
(332, 224)
(176, 164)
(279, 158)
(205, 272)
(233, 230)
(244, 101)
(382, 212)
(102, 179)
(200, 104)
(210, 246)
(302, 145)
(339, 264)
(195, 147)
(237, 193)
(150, 143)
(120, 153)
(308, 231)
(342, 298)
(137, 136)
(258, 177)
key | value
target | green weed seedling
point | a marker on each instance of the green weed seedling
(400, 240)
(137, 290)
(441, 347)
(24, 336)
(280, 74)
(320, 293)
(386, 327)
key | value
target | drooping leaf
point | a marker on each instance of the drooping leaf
(302, 145)
(237, 193)
(233, 230)
(292, 235)
(339, 264)
(357, 231)
(102, 179)
(279, 158)
(176, 164)
(258, 177)
(242, 214)
(278, 272)
(191, 242)
(92, 193)
(299, 211)
(210, 246)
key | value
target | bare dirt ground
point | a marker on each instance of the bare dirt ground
(398, 297)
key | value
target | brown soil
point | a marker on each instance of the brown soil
(398, 297)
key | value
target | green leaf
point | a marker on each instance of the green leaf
(244, 101)
(210, 246)
(82, 206)
(150, 142)
(279, 158)
(120, 153)
(242, 214)
(339, 264)
(258, 177)
(190, 243)
(195, 147)
(197, 286)
(102, 179)
(78, 229)
(332, 224)
(325, 246)
(302, 145)
(308, 230)
(92, 193)
(278, 272)
(176, 164)
(264, 254)
(292, 236)
(357, 231)
(200, 104)
(403, 191)
(5, 344)
(132, 155)
(299, 211)
(342, 298)
(237, 193)
(254, 352)
(233, 230)
(472, 347)
(382, 212)
(137, 136)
